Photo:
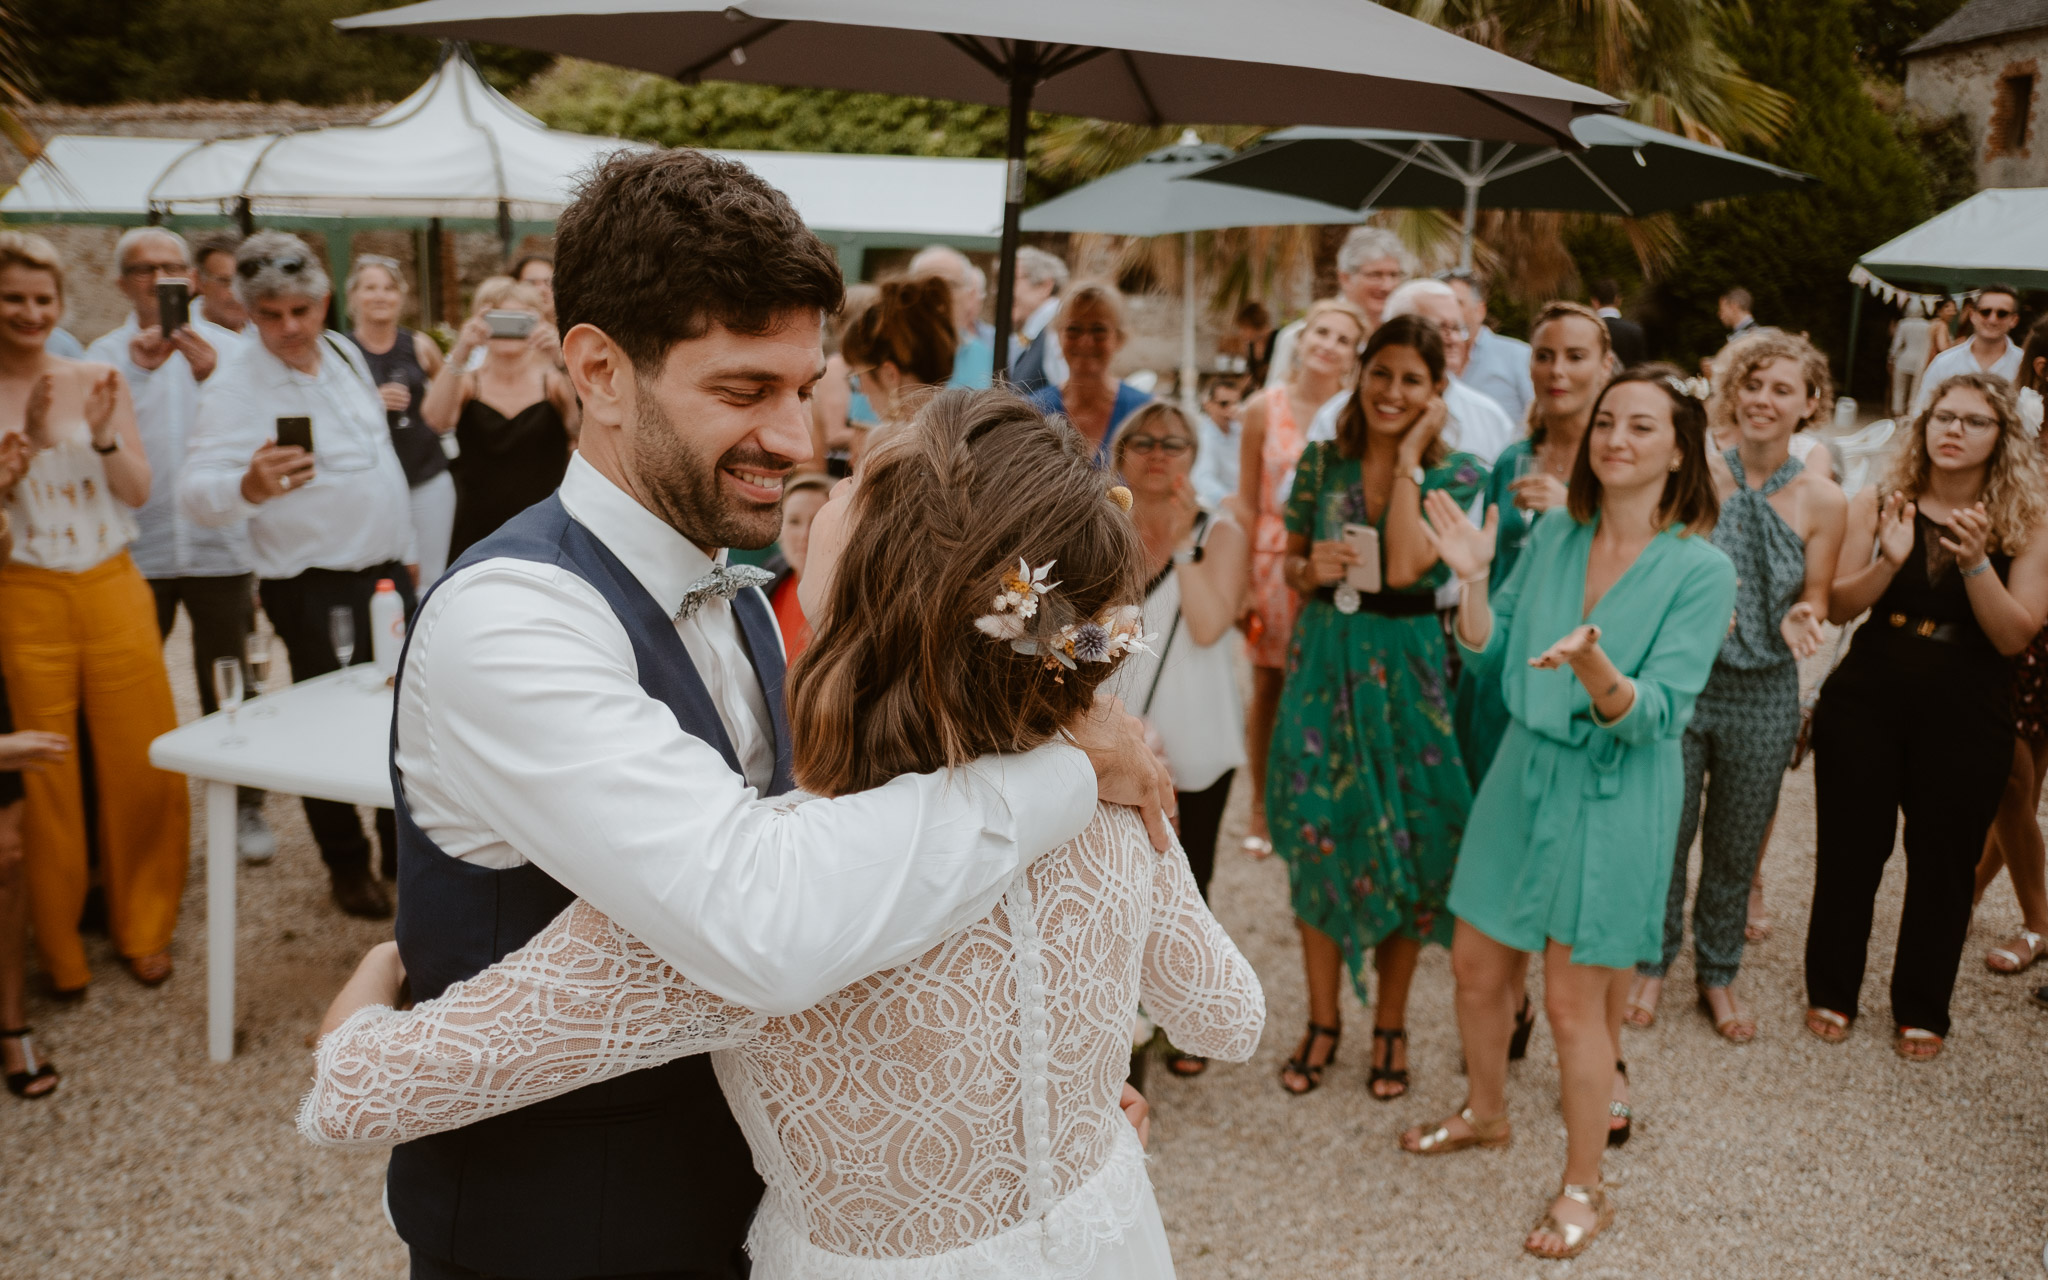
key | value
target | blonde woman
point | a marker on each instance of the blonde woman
(1092, 333)
(1949, 557)
(514, 416)
(1275, 432)
(404, 363)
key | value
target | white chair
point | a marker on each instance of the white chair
(1861, 451)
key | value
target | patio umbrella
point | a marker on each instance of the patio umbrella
(1618, 166)
(1332, 62)
(1144, 199)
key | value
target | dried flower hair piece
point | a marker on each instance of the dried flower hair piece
(1017, 605)
(1121, 496)
(1113, 633)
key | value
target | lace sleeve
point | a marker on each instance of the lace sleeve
(584, 1001)
(1195, 984)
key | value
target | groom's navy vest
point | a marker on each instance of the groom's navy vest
(644, 1173)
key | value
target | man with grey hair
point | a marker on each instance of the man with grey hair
(1498, 366)
(1035, 357)
(206, 570)
(1371, 263)
(327, 526)
(974, 357)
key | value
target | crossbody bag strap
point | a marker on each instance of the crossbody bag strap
(1202, 527)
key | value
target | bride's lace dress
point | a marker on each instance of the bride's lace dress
(954, 1117)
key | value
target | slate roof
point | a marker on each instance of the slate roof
(1982, 20)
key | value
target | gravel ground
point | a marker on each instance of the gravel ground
(1785, 1157)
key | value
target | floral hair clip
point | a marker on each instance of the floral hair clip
(1063, 642)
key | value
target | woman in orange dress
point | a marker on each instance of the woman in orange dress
(1275, 431)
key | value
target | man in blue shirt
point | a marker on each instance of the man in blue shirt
(1498, 367)
(1218, 431)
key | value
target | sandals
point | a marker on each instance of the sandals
(1827, 1025)
(1758, 927)
(2018, 955)
(1576, 1238)
(1525, 1022)
(1440, 1141)
(1617, 1135)
(1638, 1014)
(1737, 1028)
(19, 1083)
(1185, 1065)
(1391, 1037)
(1299, 1063)
(151, 970)
(1916, 1044)
(1256, 847)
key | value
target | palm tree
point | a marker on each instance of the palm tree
(1664, 58)
(15, 82)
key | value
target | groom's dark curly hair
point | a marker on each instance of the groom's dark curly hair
(661, 245)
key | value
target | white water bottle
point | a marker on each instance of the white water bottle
(387, 626)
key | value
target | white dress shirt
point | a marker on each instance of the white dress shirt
(167, 545)
(524, 735)
(1960, 359)
(1216, 459)
(1055, 366)
(357, 510)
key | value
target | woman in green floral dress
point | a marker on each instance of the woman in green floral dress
(1366, 791)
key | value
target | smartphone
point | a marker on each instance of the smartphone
(1365, 541)
(296, 430)
(509, 324)
(173, 305)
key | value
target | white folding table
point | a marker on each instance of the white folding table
(328, 738)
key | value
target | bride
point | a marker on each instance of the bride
(957, 1116)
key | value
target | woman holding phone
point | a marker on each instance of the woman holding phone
(515, 417)
(1368, 794)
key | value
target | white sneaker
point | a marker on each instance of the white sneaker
(252, 837)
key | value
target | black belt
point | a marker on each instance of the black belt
(1390, 604)
(1927, 628)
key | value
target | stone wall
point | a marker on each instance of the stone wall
(1973, 81)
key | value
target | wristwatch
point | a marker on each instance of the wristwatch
(1416, 474)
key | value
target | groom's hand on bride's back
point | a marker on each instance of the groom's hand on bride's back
(1127, 771)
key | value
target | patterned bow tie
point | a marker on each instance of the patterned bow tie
(723, 582)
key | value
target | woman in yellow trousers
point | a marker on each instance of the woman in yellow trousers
(78, 634)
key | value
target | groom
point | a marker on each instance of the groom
(590, 704)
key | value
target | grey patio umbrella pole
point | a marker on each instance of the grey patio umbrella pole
(1145, 199)
(1618, 167)
(1329, 62)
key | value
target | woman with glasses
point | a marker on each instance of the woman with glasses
(403, 363)
(78, 637)
(1952, 563)
(1367, 792)
(1091, 331)
(1197, 563)
(514, 416)
(900, 346)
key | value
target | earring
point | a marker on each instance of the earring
(1676, 463)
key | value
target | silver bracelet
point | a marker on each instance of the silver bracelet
(1983, 567)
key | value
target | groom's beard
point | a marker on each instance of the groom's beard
(684, 489)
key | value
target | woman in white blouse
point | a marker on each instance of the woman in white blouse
(78, 635)
(957, 1115)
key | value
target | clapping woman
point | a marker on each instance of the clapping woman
(1368, 795)
(1781, 523)
(1952, 563)
(1601, 640)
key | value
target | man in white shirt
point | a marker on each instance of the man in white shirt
(1218, 430)
(325, 527)
(1371, 263)
(214, 255)
(1036, 360)
(1496, 367)
(1989, 350)
(547, 749)
(206, 570)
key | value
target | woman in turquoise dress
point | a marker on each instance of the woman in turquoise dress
(1601, 640)
(1366, 793)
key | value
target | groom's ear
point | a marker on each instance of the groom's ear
(602, 374)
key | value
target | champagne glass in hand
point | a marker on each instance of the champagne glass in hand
(1466, 548)
(227, 690)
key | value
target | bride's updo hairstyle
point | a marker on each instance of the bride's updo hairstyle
(897, 678)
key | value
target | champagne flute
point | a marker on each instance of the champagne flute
(256, 648)
(1528, 464)
(341, 633)
(227, 689)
